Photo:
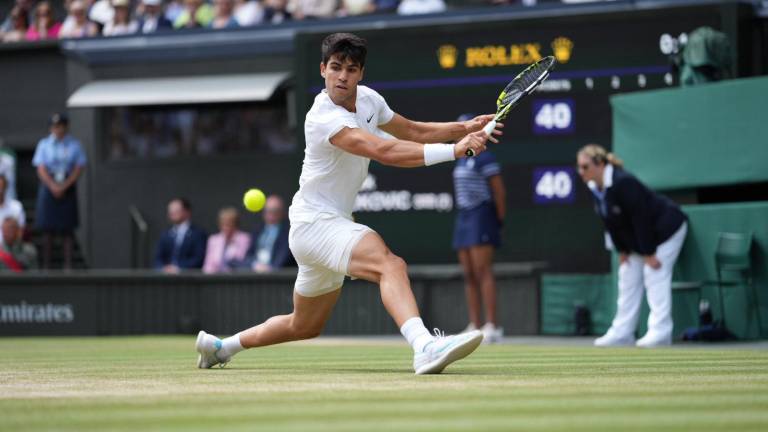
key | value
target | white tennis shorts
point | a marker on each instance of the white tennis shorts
(322, 250)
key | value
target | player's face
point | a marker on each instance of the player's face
(341, 78)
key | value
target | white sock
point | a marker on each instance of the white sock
(416, 334)
(231, 346)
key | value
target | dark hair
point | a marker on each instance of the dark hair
(345, 46)
(185, 204)
(58, 118)
(22, 13)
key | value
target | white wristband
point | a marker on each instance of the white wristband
(437, 153)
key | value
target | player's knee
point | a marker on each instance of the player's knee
(306, 331)
(395, 264)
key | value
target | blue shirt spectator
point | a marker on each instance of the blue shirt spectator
(182, 247)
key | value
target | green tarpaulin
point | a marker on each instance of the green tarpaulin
(712, 134)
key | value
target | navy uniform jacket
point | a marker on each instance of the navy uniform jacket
(637, 219)
(191, 251)
(281, 255)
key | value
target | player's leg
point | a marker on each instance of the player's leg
(471, 289)
(307, 320)
(482, 262)
(630, 296)
(372, 260)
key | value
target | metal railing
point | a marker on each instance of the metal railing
(139, 238)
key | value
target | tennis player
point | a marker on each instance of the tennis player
(343, 133)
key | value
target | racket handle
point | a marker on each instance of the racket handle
(488, 129)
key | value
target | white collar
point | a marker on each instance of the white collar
(182, 227)
(607, 178)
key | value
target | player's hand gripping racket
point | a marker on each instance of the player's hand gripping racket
(524, 83)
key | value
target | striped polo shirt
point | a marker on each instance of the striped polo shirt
(470, 179)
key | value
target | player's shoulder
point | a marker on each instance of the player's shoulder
(323, 110)
(367, 93)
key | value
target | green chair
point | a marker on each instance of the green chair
(732, 257)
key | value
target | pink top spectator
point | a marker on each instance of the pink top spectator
(219, 252)
(53, 33)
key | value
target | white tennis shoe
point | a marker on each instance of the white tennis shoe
(445, 350)
(209, 347)
(492, 334)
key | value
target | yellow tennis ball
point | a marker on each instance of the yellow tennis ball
(254, 200)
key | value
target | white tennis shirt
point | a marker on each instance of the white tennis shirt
(331, 177)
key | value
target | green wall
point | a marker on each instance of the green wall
(710, 135)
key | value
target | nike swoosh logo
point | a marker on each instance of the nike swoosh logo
(369, 119)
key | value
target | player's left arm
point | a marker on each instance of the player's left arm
(433, 132)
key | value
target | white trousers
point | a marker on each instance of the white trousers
(634, 275)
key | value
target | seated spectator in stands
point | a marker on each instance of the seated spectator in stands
(121, 24)
(8, 169)
(44, 26)
(276, 11)
(196, 13)
(152, 19)
(26, 5)
(10, 207)
(81, 27)
(173, 10)
(248, 12)
(15, 254)
(312, 9)
(269, 242)
(356, 7)
(417, 7)
(100, 12)
(228, 245)
(386, 6)
(223, 18)
(182, 247)
(19, 25)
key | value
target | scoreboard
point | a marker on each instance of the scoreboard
(440, 71)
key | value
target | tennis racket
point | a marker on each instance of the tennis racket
(524, 83)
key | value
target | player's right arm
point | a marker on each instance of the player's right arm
(400, 153)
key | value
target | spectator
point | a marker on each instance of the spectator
(223, 18)
(44, 26)
(152, 19)
(101, 12)
(196, 13)
(19, 25)
(8, 169)
(182, 247)
(121, 24)
(80, 27)
(25, 5)
(248, 12)
(60, 160)
(173, 10)
(276, 11)
(418, 7)
(269, 242)
(356, 7)
(311, 9)
(15, 254)
(10, 207)
(229, 245)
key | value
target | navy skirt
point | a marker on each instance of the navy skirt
(56, 215)
(477, 226)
